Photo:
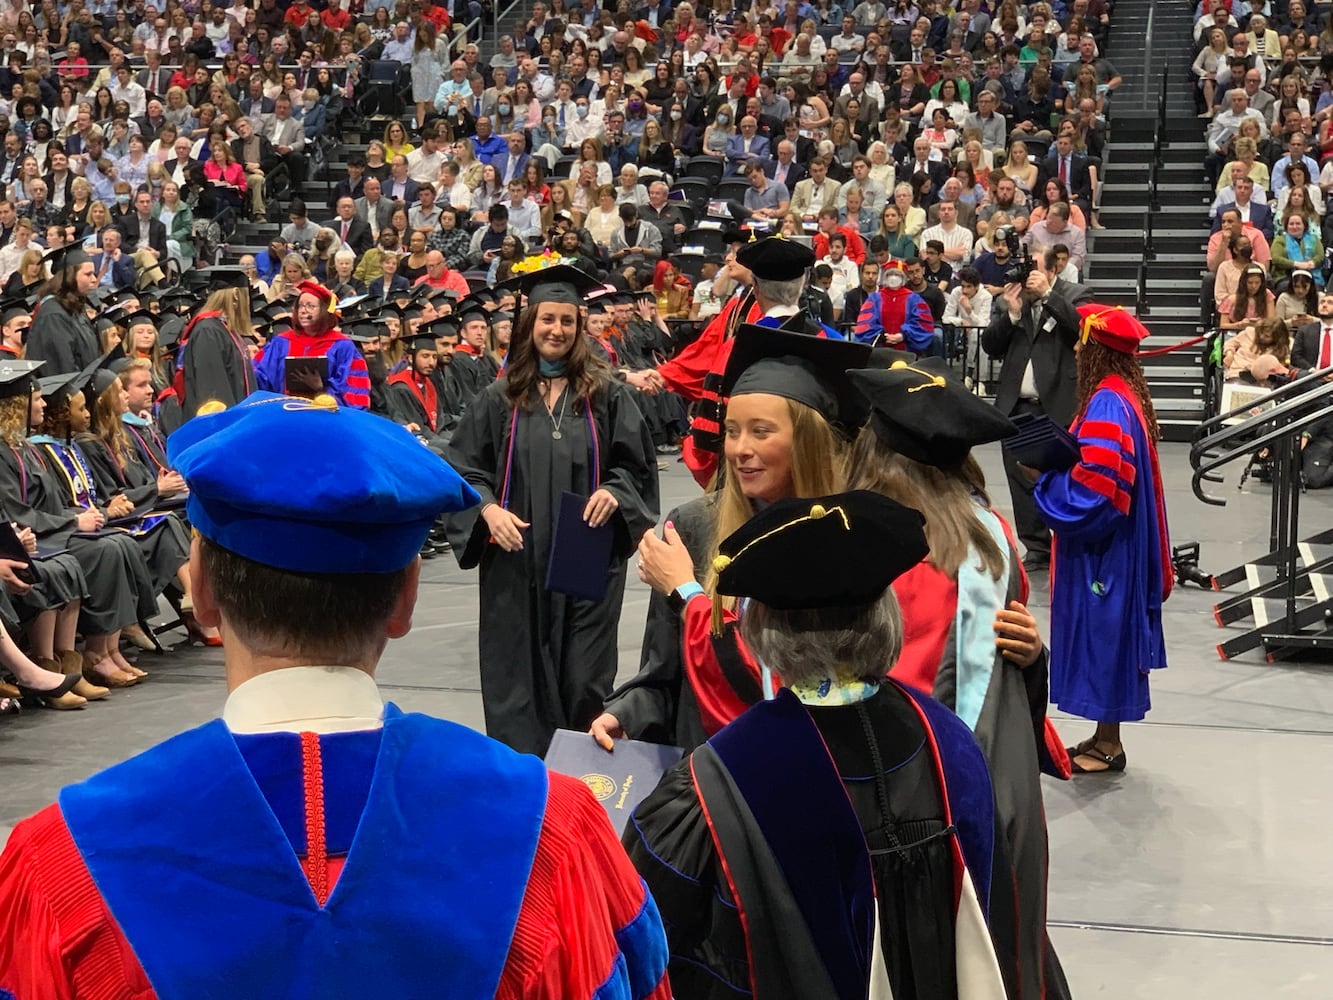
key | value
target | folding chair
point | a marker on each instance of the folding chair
(707, 167)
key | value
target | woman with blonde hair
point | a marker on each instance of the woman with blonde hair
(294, 271)
(777, 444)
(469, 167)
(1018, 168)
(79, 207)
(27, 277)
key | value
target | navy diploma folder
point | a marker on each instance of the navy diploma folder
(580, 554)
(1042, 444)
(619, 780)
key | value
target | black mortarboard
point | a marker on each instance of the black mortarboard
(445, 326)
(141, 316)
(101, 295)
(776, 258)
(12, 312)
(921, 411)
(420, 341)
(57, 389)
(561, 283)
(500, 316)
(210, 279)
(840, 551)
(471, 309)
(24, 302)
(66, 257)
(362, 333)
(409, 311)
(597, 307)
(169, 331)
(809, 370)
(103, 371)
(17, 378)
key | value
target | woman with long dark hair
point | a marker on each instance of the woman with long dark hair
(1109, 520)
(557, 422)
(62, 335)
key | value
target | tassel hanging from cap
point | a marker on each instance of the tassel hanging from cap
(719, 564)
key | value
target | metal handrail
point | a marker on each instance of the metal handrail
(1295, 389)
(1149, 251)
(1303, 412)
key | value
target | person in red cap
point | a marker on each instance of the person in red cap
(1111, 562)
(895, 316)
(315, 334)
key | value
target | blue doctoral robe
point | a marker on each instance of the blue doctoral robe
(1111, 568)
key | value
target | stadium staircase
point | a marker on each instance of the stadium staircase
(1151, 253)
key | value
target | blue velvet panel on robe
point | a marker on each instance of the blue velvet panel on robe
(201, 877)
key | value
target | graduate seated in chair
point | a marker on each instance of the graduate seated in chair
(838, 840)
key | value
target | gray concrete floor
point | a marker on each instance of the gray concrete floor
(1200, 872)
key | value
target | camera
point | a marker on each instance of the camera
(1185, 563)
(1021, 263)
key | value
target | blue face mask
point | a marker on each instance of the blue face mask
(122, 199)
(582, 111)
(503, 109)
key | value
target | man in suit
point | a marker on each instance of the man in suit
(373, 208)
(785, 170)
(856, 91)
(816, 193)
(1034, 329)
(1253, 213)
(353, 185)
(1072, 169)
(60, 181)
(154, 77)
(399, 186)
(805, 148)
(151, 121)
(1312, 347)
(745, 146)
(921, 163)
(144, 239)
(352, 229)
(112, 265)
(254, 104)
(288, 138)
(257, 157)
(513, 162)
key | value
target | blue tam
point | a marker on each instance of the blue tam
(303, 487)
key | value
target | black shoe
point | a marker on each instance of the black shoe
(427, 551)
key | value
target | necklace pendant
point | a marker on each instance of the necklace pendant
(555, 434)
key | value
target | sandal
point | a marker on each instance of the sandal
(1116, 763)
(61, 698)
(1081, 748)
(96, 672)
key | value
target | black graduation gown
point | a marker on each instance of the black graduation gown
(165, 546)
(470, 375)
(548, 659)
(118, 586)
(657, 703)
(670, 842)
(406, 407)
(56, 580)
(646, 346)
(67, 343)
(217, 366)
(151, 445)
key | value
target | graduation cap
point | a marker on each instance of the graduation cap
(10, 313)
(1114, 327)
(211, 279)
(471, 310)
(848, 547)
(57, 389)
(920, 410)
(66, 258)
(26, 303)
(362, 333)
(169, 331)
(776, 258)
(18, 378)
(445, 326)
(420, 341)
(104, 371)
(141, 317)
(809, 370)
(561, 283)
(502, 316)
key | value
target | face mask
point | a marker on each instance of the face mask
(309, 105)
(676, 114)
(550, 122)
(636, 105)
(582, 111)
(894, 279)
(122, 199)
(724, 119)
(503, 109)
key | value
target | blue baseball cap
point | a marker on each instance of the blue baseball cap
(313, 488)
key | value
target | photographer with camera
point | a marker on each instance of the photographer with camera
(1033, 330)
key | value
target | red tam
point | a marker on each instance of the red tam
(1112, 326)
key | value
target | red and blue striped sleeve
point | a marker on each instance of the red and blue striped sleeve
(868, 325)
(349, 379)
(1087, 500)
